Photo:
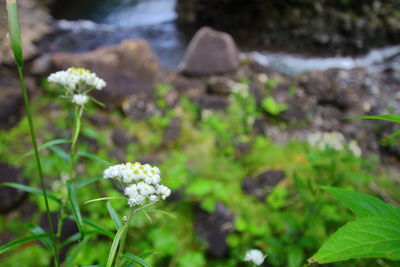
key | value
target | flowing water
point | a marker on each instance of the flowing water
(87, 24)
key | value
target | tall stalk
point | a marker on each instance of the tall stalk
(16, 47)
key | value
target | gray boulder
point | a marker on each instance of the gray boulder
(210, 52)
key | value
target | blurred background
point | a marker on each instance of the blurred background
(241, 105)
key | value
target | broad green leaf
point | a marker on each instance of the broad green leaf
(44, 146)
(75, 207)
(113, 215)
(394, 118)
(21, 241)
(135, 259)
(14, 30)
(114, 245)
(367, 237)
(93, 157)
(31, 190)
(364, 205)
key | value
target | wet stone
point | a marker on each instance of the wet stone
(261, 185)
(214, 227)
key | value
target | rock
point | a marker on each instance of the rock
(119, 138)
(100, 119)
(319, 25)
(261, 185)
(129, 68)
(219, 85)
(11, 198)
(193, 87)
(213, 229)
(139, 107)
(173, 130)
(212, 102)
(210, 52)
(30, 11)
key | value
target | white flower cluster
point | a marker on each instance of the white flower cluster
(80, 99)
(333, 140)
(255, 256)
(142, 182)
(73, 78)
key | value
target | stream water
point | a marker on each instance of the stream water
(82, 25)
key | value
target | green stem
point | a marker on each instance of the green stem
(37, 157)
(75, 135)
(123, 238)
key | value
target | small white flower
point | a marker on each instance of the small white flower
(142, 182)
(255, 256)
(80, 99)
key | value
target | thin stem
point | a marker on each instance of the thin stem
(37, 157)
(75, 135)
(123, 238)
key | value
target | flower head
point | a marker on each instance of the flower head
(333, 140)
(255, 256)
(74, 78)
(141, 182)
(80, 99)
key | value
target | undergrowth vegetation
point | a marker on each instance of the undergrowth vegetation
(203, 167)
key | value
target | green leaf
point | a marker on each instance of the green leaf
(31, 190)
(44, 146)
(135, 259)
(364, 205)
(37, 230)
(114, 245)
(113, 215)
(73, 253)
(21, 241)
(100, 229)
(394, 118)
(14, 30)
(75, 207)
(88, 181)
(273, 107)
(60, 152)
(70, 239)
(367, 237)
(101, 199)
(93, 157)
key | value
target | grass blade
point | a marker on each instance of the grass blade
(101, 199)
(44, 146)
(393, 118)
(31, 190)
(100, 229)
(93, 157)
(86, 182)
(113, 215)
(21, 241)
(16, 47)
(37, 230)
(135, 259)
(75, 207)
(73, 253)
(114, 245)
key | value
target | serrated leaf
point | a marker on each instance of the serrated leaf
(362, 204)
(135, 259)
(31, 190)
(75, 207)
(21, 241)
(393, 118)
(367, 237)
(113, 215)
